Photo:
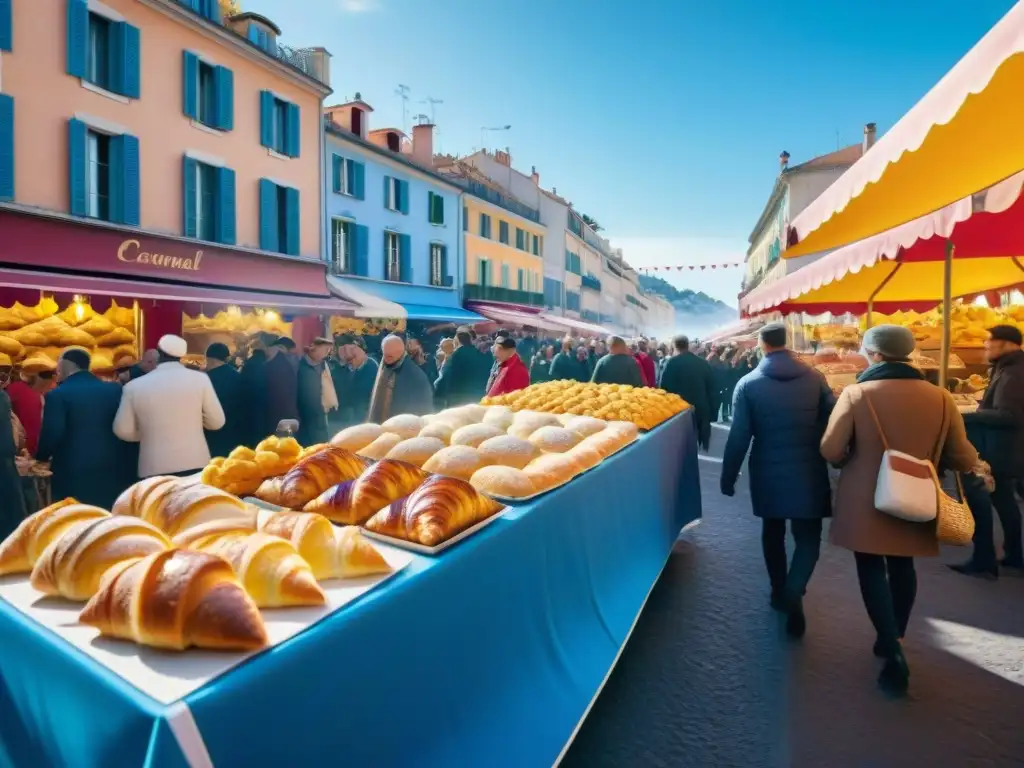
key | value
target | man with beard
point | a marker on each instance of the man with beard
(401, 385)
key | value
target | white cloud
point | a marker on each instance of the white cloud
(359, 6)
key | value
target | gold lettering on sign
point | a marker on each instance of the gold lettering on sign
(130, 252)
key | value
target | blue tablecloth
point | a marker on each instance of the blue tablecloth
(489, 654)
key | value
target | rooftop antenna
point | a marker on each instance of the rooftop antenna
(402, 92)
(421, 119)
(433, 107)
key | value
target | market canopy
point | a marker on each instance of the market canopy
(966, 134)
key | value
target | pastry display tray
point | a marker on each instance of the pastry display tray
(439, 548)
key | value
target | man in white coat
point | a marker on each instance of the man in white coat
(166, 412)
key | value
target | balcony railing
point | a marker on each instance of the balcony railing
(635, 301)
(478, 189)
(508, 295)
(591, 282)
(591, 316)
(592, 238)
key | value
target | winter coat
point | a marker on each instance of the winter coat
(282, 390)
(227, 383)
(919, 419)
(782, 408)
(997, 428)
(689, 377)
(540, 370)
(618, 369)
(312, 417)
(400, 388)
(646, 364)
(463, 378)
(88, 461)
(255, 397)
(509, 376)
(12, 500)
(27, 405)
(565, 365)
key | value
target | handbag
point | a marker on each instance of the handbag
(954, 523)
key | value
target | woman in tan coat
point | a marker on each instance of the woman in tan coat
(919, 419)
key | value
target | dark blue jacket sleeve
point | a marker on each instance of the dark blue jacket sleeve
(54, 426)
(740, 435)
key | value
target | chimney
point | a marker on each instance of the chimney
(784, 160)
(423, 143)
(870, 134)
(503, 158)
(534, 176)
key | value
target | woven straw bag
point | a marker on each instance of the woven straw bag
(954, 523)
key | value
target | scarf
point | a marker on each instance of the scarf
(889, 370)
(328, 395)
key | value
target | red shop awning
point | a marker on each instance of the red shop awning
(514, 317)
(139, 289)
(580, 326)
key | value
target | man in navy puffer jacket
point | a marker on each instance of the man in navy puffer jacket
(782, 407)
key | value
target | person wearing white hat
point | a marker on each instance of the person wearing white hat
(167, 411)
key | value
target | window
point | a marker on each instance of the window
(260, 38)
(520, 239)
(503, 232)
(536, 246)
(465, 218)
(102, 51)
(392, 257)
(206, 196)
(279, 124)
(6, 23)
(504, 276)
(103, 174)
(572, 262)
(349, 177)
(209, 202)
(279, 218)
(438, 264)
(396, 195)
(435, 208)
(485, 226)
(98, 179)
(519, 284)
(484, 276)
(342, 246)
(209, 93)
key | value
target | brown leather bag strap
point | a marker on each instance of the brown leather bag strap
(874, 418)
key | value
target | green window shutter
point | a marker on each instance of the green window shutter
(292, 221)
(77, 38)
(439, 209)
(465, 218)
(224, 84)
(190, 85)
(358, 180)
(189, 169)
(6, 146)
(267, 119)
(77, 167)
(430, 207)
(224, 221)
(445, 278)
(268, 215)
(405, 258)
(362, 250)
(6, 22)
(520, 280)
(503, 231)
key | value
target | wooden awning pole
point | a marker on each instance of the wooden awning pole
(947, 301)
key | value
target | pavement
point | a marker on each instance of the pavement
(709, 677)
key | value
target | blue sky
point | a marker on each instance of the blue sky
(662, 120)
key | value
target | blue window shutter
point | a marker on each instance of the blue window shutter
(268, 215)
(291, 245)
(6, 22)
(224, 221)
(403, 197)
(387, 190)
(337, 168)
(349, 169)
(253, 34)
(126, 147)
(131, 84)
(439, 202)
(292, 132)
(430, 207)
(405, 258)
(267, 119)
(78, 37)
(189, 168)
(190, 85)
(362, 251)
(359, 181)
(6, 146)
(445, 277)
(224, 86)
(77, 185)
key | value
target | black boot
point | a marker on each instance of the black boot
(895, 676)
(970, 569)
(796, 622)
(878, 649)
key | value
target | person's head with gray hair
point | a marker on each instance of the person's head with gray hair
(617, 345)
(72, 361)
(392, 349)
(888, 343)
(772, 338)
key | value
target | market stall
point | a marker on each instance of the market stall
(453, 652)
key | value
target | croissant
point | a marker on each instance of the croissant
(434, 512)
(20, 551)
(176, 505)
(354, 502)
(312, 476)
(73, 566)
(138, 496)
(177, 599)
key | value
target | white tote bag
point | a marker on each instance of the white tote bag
(907, 487)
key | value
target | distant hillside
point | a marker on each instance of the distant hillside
(696, 312)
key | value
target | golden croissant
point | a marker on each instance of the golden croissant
(269, 567)
(312, 476)
(174, 506)
(352, 503)
(177, 599)
(434, 512)
(74, 565)
(20, 551)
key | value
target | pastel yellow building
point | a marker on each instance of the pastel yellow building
(504, 254)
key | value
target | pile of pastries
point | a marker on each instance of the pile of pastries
(643, 406)
(243, 470)
(177, 564)
(236, 323)
(968, 324)
(35, 336)
(500, 452)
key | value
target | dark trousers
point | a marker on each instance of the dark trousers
(981, 503)
(888, 585)
(790, 581)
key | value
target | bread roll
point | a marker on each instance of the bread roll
(555, 439)
(551, 470)
(585, 425)
(357, 437)
(405, 425)
(606, 442)
(459, 461)
(586, 456)
(508, 451)
(415, 450)
(499, 416)
(442, 430)
(540, 418)
(627, 429)
(380, 447)
(453, 418)
(507, 482)
(473, 412)
(474, 434)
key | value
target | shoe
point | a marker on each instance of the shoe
(970, 569)
(796, 622)
(1008, 563)
(895, 676)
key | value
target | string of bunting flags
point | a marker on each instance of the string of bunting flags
(691, 267)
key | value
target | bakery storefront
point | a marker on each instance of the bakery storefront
(116, 291)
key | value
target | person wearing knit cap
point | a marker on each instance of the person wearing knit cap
(890, 407)
(168, 412)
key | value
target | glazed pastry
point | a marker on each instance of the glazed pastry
(333, 553)
(507, 482)
(555, 439)
(551, 470)
(11, 347)
(474, 434)
(416, 450)
(20, 551)
(499, 416)
(380, 447)
(174, 505)
(627, 429)
(585, 425)
(73, 566)
(439, 509)
(508, 450)
(354, 502)
(177, 599)
(406, 425)
(312, 476)
(139, 496)
(459, 461)
(442, 430)
(97, 326)
(357, 437)
(115, 338)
